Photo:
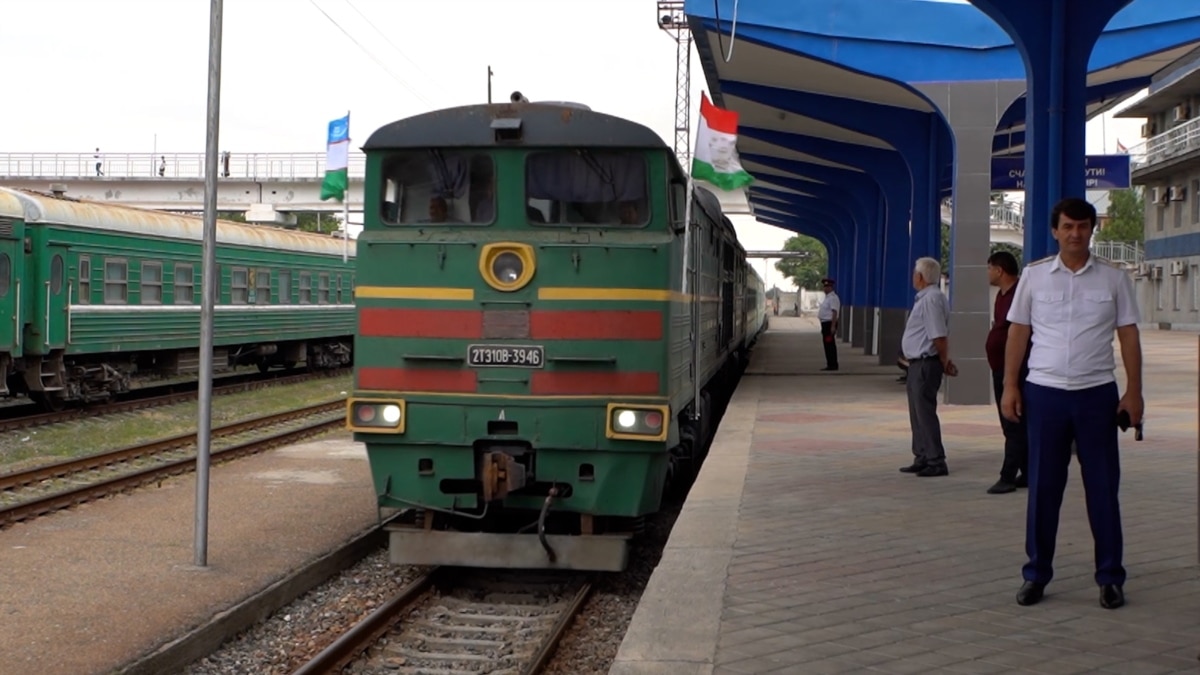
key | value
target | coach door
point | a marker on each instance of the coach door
(12, 264)
(52, 298)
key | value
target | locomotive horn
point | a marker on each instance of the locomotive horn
(518, 97)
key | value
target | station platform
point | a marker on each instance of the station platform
(93, 588)
(802, 548)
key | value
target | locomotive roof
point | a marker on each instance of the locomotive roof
(37, 208)
(542, 125)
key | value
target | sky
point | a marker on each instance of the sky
(131, 75)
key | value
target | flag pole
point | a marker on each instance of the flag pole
(346, 200)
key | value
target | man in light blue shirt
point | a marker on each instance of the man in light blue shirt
(927, 348)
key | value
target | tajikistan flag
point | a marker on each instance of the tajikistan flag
(337, 160)
(716, 159)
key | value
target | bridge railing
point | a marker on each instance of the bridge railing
(1171, 143)
(177, 165)
(1127, 253)
(1007, 214)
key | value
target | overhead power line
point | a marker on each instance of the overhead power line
(370, 55)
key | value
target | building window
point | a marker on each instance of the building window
(285, 287)
(116, 281)
(239, 286)
(1160, 215)
(1177, 213)
(262, 287)
(85, 280)
(1195, 287)
(151, 283)
(1193, 199)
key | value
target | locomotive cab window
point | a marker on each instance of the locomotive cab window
(438, 186)
(581, 188)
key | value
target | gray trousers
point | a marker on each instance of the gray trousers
(924, 381)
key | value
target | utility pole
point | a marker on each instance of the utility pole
(672, 20)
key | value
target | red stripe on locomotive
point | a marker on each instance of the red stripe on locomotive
(596, 325)
(418, 379)
(551, 383)
(420, 323)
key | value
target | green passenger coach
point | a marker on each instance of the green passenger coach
(95, 295)
(531, 373)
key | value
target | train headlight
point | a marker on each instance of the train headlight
(376, 416)
(637, 422)
(507, 266)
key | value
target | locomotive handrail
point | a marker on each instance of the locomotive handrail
(172, 165)
(47, 341)
(17, 317)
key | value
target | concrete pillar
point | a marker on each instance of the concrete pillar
(973, 111)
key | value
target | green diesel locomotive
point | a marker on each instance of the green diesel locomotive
(92, 296)
(531, 370)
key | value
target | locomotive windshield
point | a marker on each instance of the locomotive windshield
(438, 186)
(584, 187)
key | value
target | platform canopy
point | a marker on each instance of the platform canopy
(816, 81)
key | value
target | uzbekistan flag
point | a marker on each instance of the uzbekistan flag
(337, 160)
(715, 159)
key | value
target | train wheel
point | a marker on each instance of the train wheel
(263, 367)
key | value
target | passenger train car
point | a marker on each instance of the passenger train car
(531, 371)
(92, 295)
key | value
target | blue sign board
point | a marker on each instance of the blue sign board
(1101, 172)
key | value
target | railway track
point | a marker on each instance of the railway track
(462, 622)
(22, 417)
(42, 490)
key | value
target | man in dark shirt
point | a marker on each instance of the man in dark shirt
(1002, 273)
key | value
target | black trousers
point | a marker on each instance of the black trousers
(830, 341)
(1016, 437)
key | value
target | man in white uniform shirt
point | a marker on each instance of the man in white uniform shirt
(827, 314)
(1070, 304)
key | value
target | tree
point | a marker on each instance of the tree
(1126, 217)
(808, 271)
(1015, 250)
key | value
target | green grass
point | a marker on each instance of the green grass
(26, 448)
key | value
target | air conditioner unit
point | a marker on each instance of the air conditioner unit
(1147, 130)
(1156, 272)
(1178, 268)
(1178, 193)
(1143, 269)
(1158, 195)
(1180, 113)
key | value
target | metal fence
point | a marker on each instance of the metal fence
(1172, 143)
(179, 165)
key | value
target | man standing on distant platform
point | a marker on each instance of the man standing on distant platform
(827, 314)
(1070, 304)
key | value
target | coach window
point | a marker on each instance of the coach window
(323, 289)
(285, 287)
(438, 186)
(151, 283)
(5, 274)
(581, 188)
(85, 280)
(56, 274)
(185, 285)
(116, 281)
(262, 287)
(239, 286)
(305, 288)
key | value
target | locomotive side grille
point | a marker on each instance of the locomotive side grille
(6, 228)
(505, 323)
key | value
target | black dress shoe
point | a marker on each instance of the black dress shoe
(1002, 487)
(1022, 481)
(1112, 596)
(912, 468)
(828, 369)
(1031, 593)
(933, 471)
